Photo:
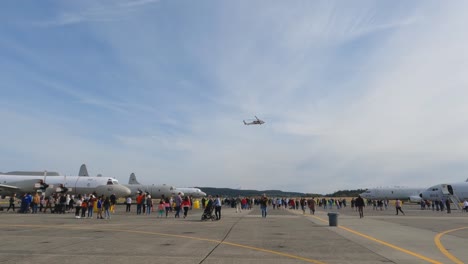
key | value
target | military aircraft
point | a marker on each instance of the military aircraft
(48, 184)
(155, 190)
(456, 192)
(256, 121)
(392, 193)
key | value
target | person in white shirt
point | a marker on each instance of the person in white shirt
(398, 207)
(465, 205)
(217, 205)
(128, 202)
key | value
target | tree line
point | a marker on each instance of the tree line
(228, 192)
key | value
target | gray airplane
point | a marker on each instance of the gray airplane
(48, 184)
(392, 193)
(455, 192)
(155, 190)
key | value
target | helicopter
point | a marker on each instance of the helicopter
(254, 122)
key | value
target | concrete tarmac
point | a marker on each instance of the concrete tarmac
(284, 236)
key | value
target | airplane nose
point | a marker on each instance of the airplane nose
(122, 191)
(424, 195)
(118, 190)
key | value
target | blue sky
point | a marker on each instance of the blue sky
(354, 95)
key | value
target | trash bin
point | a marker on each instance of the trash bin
(196, 204)
(333, 219)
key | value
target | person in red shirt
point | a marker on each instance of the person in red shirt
(186, 205)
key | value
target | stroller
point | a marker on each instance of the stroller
(208, 213)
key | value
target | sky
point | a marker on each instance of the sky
(354, 94)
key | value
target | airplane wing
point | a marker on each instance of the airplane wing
(9, 187)
(20, 185)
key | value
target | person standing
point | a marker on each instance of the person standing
(203, 202)
(161, 208)
(398, 206)
(238, 204)
(89, 206)
(186, 205)
(12, 202)
(178, 202)
(106, 205)
(263, 205)
(149, 204)
(447, 205)
(167, 206)
(128, 203)
(78, 204)
(99, 206)
(217, 205)
(311, 204)
(35, 203)
(359, 203)
(139, 201)
(113, 201)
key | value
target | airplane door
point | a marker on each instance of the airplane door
(446, 190)
(450, 189)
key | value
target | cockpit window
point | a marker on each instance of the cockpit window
(109, 182)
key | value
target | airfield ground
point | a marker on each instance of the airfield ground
(285, 236)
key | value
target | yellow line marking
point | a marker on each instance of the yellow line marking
(442, 248)
(179, 236)
(384, 243)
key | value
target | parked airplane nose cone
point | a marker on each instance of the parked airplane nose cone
(118, 190)
(425, 195)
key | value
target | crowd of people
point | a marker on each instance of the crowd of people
(85, 206)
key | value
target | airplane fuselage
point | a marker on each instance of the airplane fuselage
(400, 193)
(442, 191)
(156, 191)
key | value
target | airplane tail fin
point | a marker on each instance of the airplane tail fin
(132, 179)
(83, 171)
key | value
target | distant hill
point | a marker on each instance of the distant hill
(228, 192)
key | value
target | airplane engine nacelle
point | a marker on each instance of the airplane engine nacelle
(62, 189)
(415, 199)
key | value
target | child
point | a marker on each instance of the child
(161, 208)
